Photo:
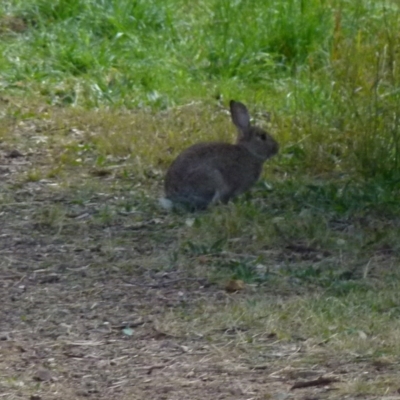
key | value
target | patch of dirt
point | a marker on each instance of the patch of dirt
(73, 324)
(12, 24)
(83, 303)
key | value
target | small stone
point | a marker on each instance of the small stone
(43, 375)
(14, 154)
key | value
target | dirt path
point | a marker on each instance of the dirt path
(90, 309)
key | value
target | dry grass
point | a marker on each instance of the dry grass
(104, 295)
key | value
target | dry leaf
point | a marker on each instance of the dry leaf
(234, 285)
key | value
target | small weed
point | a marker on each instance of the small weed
(50, 217)
(197, 249)
(105, 215)
(34, 175)
(246, 271)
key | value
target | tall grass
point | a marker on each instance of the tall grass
(327, 69)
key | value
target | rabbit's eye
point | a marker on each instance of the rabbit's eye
(263, 136)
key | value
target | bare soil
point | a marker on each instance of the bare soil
(85, 305)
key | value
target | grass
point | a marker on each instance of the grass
(100, 96)
(325, 69)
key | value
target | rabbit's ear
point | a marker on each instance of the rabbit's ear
(240, 117)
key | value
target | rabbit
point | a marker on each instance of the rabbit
(207, 173)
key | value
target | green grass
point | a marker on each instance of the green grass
(106, 93)
(325, 69)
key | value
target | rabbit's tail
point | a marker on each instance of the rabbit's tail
(165, 203)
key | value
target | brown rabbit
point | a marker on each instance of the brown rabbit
(216, 172)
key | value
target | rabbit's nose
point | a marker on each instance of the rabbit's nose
(275, 147)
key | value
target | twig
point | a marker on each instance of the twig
(317, 382)
(153, 367)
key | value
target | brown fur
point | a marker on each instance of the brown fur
(216, 171)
